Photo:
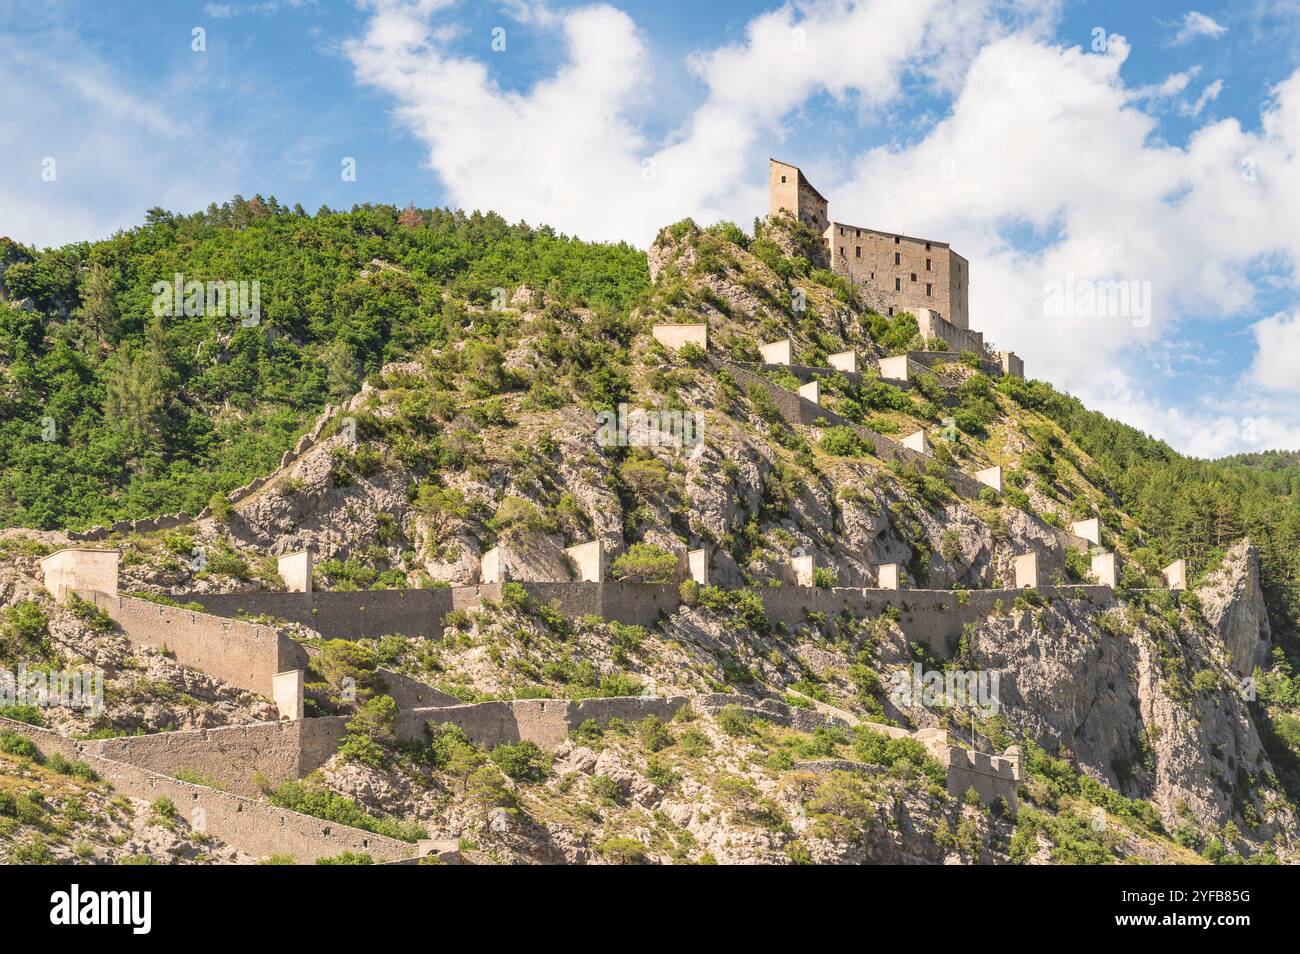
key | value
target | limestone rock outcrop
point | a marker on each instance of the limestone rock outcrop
(1232, 602)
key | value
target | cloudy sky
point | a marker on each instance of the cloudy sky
(1056, 145)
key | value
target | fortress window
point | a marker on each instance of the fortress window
(859, 235)
(842, 255)
(929, 289)
(891, 312)
(897, 240)
(898, 286)
(783, 178)
(927, 265)
(857, 251)
(914, 276)
(927, 246)
(841, 230)
(898, 258)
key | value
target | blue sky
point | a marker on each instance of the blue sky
(1049, 141)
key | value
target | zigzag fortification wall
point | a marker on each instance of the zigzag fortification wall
(253, 827)
(246, 655)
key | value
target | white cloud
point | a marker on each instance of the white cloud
(1168, 88)
(1208, 95)
(221, 11)
(1197, 24)
(571, 151)
(1278, 356)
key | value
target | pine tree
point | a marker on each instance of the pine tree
(97, 300)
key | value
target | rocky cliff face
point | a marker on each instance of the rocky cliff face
(1141, 699)
(1233, 604)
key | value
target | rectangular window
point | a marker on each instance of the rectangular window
(927, 246)
(897, 240)
(929, 289)
(857, 251)
(891, 313)
(898, 284)
(927, 265)
(841, 230)
(914, 276)
(898, 258)
(783, 178)
(842, 255)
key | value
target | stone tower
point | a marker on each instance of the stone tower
(788, 190)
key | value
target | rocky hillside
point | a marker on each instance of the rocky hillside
(1142, 740)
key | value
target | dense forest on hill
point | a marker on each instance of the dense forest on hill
(108, 411)
(1185, 506)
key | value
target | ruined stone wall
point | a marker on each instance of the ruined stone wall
(932, 617)
(545, 722)
(246, 655)
(253, 827)
(77, 568)
(629, 603)
(410, 693)
(229, 757)
(932, 325)
(318, 739)
(992, 776)
(797, 411)
(336, 615)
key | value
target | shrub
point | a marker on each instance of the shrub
(95, 618)
(522, 761)
(13, 743)
(28, 714)
(77, 769)
(371, 730)
(606, 789)
(517, 519)
(321, 803)
(733, 720)
(652, 733)
(841, 441)
(26, 627)
(625, 851)
(644, 563)
(645, 476)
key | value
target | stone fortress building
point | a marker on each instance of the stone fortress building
(912, 274)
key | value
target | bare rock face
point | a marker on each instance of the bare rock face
(1108, 687)
(1232, 602)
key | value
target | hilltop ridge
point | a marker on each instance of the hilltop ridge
(480, 432)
